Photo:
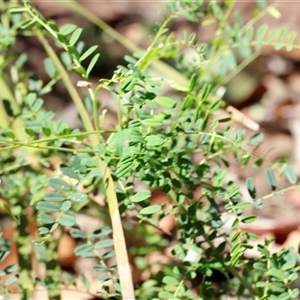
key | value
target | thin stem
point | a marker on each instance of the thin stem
(160, 66)
(214, 54)
(266, 289)
(265, 43)
(282, 191)
(69, 85)
(18, 145)
(62, 137)
(239, 68)
(34, 15)
(181, 283)
(256, 18)
(145, 60)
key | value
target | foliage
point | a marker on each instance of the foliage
(175, 142)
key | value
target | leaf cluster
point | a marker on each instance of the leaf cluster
(175, 142)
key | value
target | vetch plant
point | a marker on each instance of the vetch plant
(175, 142)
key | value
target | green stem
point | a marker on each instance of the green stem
(260, 15)
(216, 52)
(62, 137)
(88, 15)
(160, 66)
(264, 43)
(18, 145)
(266, 289)
(237, 70)
(282, 191)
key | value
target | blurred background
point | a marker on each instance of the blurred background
(267, 90)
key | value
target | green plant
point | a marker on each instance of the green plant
(155, 143)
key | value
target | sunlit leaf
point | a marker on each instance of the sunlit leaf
(165, 102)
(290, 174)
(88, 52)
(261, 3)
(170, 280)
(291, 41)
(124, 170)
(141, 196)
(83, 250)
(55, 197)
(66, 205)
(154, 140)
(271, 179)
(10, 280)
(165, 295)
(256, 139)
(150, 210)
(68, 171)
(45, 219)
(66, 220)
(77, 234)
(78, 197)
(48, 206)
(251, 187)
(274, 12)
(75, 36)
(50, 67)
(243, 205)
(105, 243)
(59, 184)
(67, 29)
(249, 219)
(152, 122)
(100, 232)
(92, 64)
